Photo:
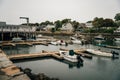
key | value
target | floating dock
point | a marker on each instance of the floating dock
(9, 70)
(35, 55)
(29, 43)
(113, 47)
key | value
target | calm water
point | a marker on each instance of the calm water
(98, 68)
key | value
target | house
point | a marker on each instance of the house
(67, 27)
(89, 25)
(117, 30)
(49, 27)
(16, 28)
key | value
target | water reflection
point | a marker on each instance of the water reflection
(71, 64)
(91, 69)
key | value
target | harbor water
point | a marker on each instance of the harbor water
(97, 68)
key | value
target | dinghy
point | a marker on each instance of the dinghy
(70, 56)
(100, 53)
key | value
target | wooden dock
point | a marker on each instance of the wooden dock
(35, 55)
(29, 43)
(11, 71)
(113, 47)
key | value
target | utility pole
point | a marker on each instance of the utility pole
(26, 19)
(27, 23)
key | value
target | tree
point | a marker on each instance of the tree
(117, 23)
(37, 24)
(65, 21)
(75, 25)
(109, 23)
(98, 22)
(46, 23)
(58, 24)
(53, 30)
(117, 17)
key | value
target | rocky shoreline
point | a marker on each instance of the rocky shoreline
(39, 76)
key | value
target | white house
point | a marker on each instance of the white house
(118, 30)
(89, 25)
(67, 27)
(49, 27)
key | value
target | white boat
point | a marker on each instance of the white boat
(99, 39)
(117, 40)
(75, 41)
(16, 39)
(66, 56)
(100, 53)
(30, 39)
(61, 42)
(53, 43)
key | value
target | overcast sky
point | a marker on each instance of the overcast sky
(42, 10)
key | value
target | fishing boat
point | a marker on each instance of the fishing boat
(99, 40)
(100, 53)
(61, 42)
(117, 40)
(70, 56)
(16, 39)
(75, 41)
(30, 39)
(66, 56)
(53, 43)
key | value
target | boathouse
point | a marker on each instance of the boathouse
(8, 31)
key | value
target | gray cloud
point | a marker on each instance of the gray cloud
(41, 10)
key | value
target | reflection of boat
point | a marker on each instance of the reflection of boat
(16, 39)
(70, 56)
(100, 53)
(76, 41)
(71, 65)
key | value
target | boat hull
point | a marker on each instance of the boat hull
(67, 57)
(99, 53)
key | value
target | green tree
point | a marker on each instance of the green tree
(65, 21)
(46, 23)
(75, 25)
(117, 17)
(58, 24)
(109, 23)
(53, 30)
(98, 22)
(37, 24)
(117, 23)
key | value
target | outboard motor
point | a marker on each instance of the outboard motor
(71, 52)
(79, 58)
(114, 53)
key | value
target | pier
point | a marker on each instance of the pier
(29, 43)
(36, 55)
